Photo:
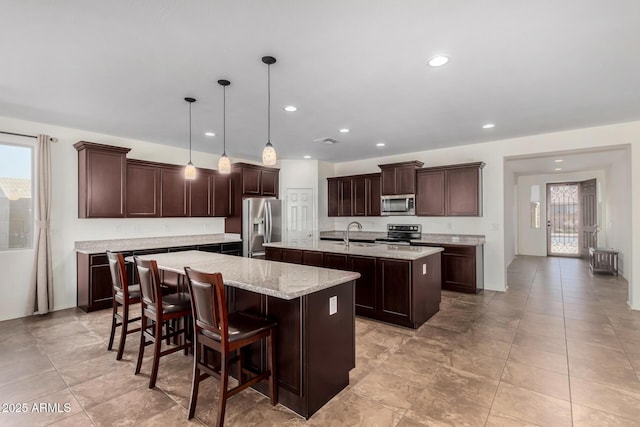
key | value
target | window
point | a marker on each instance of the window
(16, 202)
(535, 206)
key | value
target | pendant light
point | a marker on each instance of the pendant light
(224, 164)
(190, 170)
(269, 153)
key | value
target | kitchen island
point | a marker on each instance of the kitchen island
(398, 284)
(314, 310)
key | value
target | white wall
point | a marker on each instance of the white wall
(67, 228)
(510, 215)
(533, 241)
(617, 210)
(493, 221)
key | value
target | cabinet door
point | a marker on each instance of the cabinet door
(430, 198)
(200, 194)
(105, 185)
(365, 285)
(346, 197)
(293, 256)
(459, 268)
(373, 193)
(143, 190)
(220, 197)
(360, 198)
(273, 254)
(251, 181)
(269, 183)
(313, 258)
(333, 195)
(336, 261)
(405, 179)
(173, 192)
(388, 177)
(463, 192)
(394, 284)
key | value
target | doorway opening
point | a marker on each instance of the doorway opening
(572, 218)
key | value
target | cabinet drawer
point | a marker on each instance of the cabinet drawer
(459, 250)
(98, 259)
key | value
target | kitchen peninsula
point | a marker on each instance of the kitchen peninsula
(314, 310)
(398, 284)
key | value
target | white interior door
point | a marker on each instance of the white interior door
(299, 219)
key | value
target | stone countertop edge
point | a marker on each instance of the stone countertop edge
(409, 253)
(257, 275)
(100, 246)
(445, 239)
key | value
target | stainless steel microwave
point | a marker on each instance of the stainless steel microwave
(402, 204)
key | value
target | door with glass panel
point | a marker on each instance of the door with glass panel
(563, 219)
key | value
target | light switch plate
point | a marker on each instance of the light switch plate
(424, 269)
(333, 305)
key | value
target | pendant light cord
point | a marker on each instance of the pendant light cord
(269, 103)
(224, 120)
(190, 132)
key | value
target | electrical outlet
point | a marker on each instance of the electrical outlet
(333, 305)
(424, 269)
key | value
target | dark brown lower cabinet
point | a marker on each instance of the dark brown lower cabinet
(365, 285)
(315, 350)
(402, 292)
(462, 267)
(94, 277)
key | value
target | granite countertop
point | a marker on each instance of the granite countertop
(99, 246)
(276, 279)
(443, 239)
(405, 252)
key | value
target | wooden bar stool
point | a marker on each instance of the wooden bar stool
(159, 310)
(225, 333)
(123, 296)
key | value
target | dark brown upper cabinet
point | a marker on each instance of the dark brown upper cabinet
(200, 194)
(256, 180)
(173, 192)
(357, 195)
(399, 178)
(248, 180)
(143, 189)
(454, 190)
(112, 186)
(221, 195)
(102, 177)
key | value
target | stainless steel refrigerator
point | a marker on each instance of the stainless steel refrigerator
(261, 223)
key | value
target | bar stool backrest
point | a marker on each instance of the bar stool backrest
(150, 290)
(208, 303)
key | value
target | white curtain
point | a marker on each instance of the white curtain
(42, 278)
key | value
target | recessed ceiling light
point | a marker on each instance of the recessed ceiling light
(307, 157)
(488, 126)
(558, 161)
(380, 144)
(438, 61)
(290, 108)
(345, 130)
(558, 169)
(210, 133)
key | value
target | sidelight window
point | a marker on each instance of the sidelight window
(16, 197)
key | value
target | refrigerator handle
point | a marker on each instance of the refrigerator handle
(268, 222)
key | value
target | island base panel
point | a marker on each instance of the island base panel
(316, 350)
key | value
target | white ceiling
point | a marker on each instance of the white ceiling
(574, 161)
(123, 68)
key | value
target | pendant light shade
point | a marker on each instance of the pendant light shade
(269, 156)
(190, 170)
(224, 164)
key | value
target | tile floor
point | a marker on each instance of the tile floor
(559, 348)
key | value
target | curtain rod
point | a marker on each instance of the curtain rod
(27, 136)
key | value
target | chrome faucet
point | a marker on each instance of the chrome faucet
(346, 238)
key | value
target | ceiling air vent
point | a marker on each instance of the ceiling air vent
(326, 140)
